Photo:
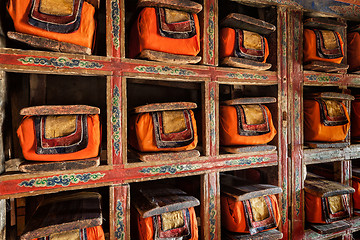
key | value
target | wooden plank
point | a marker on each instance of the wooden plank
(245, 63)
(327, 144)
(32, 166)
(48, 44)
(242, 190)
(12, 165)
(268, 235)
(59, 110)
(244, 22)
(69, 212)
(356, 172)
(162, 156)
(154, 201)
(255, 100)
(183, 5)
(326, 67)
(324, 23)
(168, 57)
(156, 107)
(331, 95)
(330, 227)
(326, 188)
(246, 149)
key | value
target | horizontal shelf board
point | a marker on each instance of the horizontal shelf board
(238, 75)
(310, 234)
(32, 184)
(353, 151)
(321, 78)
(355, 223)
(45, 62)
(312, 156)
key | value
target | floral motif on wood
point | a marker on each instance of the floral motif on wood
(61, 62)
(247, 161)
(246, 76)
(211, 32)
(115, 17)
(62, 180)
(120, 226)
(165, 70)
(170, 169)
(115, 119)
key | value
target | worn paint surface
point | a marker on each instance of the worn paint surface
(61, 62)
(120, 218)
(115, 120)
(165, 70)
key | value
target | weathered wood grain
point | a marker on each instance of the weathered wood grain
(326, 67)
(65, 213)
(242, 190)
(155, 107)
(330, 227)
(324, 23)
(162, 156)
(331, 95)
(245, 63)
(168, 57)
(255, 100)
(244, 22)
(326, 188)
(150, 201)
(59, 110)
(48, 44)
(245, 149)
(327, 144)
(32, 166)
(183, 5)
(268, 235)
(356, 172)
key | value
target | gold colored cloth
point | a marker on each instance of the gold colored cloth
(253, 114)
(59, 126)
(259, 209)
(334, 108)
(335, 203)
(252, 40)
(330, 41)
(173, 121)
(173, 16)
(57, 7)
(69, 235)
(171, 220)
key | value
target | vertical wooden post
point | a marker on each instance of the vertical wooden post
(120, 212)
(210, 207)
(115, 18)
(209, 34)
(295, 122)
(117, 102)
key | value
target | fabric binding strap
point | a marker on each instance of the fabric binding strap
(329, 215)
(182, 232)
(69, 143)
(242, 51)
(174, 139)
(247, 129)
(332, 112)
(183, 29)
(328, 44)
(262, 225)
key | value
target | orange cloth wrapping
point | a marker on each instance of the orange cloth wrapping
(142, 137)
(93, 233)
(19, 11)
(229, 129)
(27, 137)
(355, 119)
(353, 50)
(227, 44)
(145, 36)
(310, 48)
(146, 228)
(356, 195)
(233, 214)
(315, 130)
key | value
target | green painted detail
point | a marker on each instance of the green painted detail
(322, 78)
(115, 17)
(247, 76)
(284, 204)
(62, 180)
(247, 161)
(120, 225)
(212, 116)
(211, 32)
(165, 70)
(115, 120)
(61, 62)
(212, 211)
(170, 169)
